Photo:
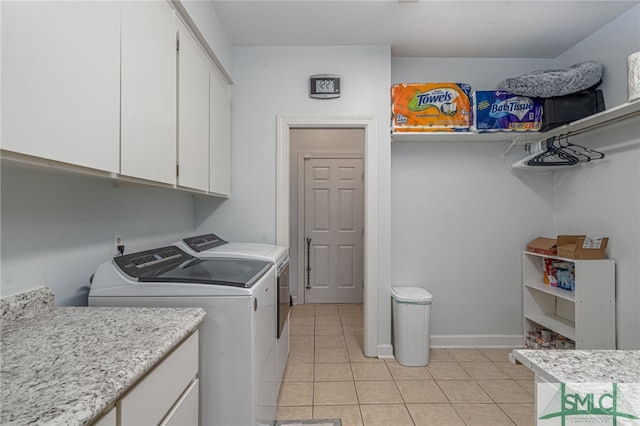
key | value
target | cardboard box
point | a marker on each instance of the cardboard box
(543, 245)
(582, 247)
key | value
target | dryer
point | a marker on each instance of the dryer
(238, 335)
(212, 246)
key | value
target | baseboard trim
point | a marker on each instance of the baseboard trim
(385, 351)
(476, 341)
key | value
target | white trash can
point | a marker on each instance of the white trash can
(411, 308)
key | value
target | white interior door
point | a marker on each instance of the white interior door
(333, 206)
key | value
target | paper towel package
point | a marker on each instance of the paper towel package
(430, 107)
(495, 111)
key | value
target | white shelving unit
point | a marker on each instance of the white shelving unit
(611, 115)
(586, 316)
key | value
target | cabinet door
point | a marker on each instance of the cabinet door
(148, 133)
(220, 135)
(61, 81)
(193, 113)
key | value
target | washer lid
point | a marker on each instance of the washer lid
(412, 295)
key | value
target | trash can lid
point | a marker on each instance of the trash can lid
(411, 294)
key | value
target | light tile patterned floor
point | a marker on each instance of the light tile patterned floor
(328, 376)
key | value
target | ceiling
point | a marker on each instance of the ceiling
(425, 28)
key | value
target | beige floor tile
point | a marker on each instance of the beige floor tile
(330, 342)
(483, 370)
(400, 372)
(328, 330)
(295, 394)
(420, 391)
(353, 330)
(515, 371)
(506, 391)
(520, 414)
(349, 308)
(370, 371)
(348, 414)
(298, 372)
(496, 354)
(351, 320)
(295, 413)
(528, 385)
(331, 355)
(439, 355)
(328, 320)
(334, 393)
(467, 355)
(301, 355)
(301, 330)
(303, 321)
(303, 311)
(447, 370)
(356, 355)
(378, 392)
(482, 415)
(301, 342)
(434, 415)
(354, 342)
(327, 310)
(333, 372)
(464, 392)
(385, 415)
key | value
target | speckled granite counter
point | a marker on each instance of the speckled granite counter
(65, 365)
(582, 366)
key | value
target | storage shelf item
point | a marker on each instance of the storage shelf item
(586, 316)
(609, 116)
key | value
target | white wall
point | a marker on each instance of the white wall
(610, 45)
(206, 19)
(604, 198)
(460, 219)
(273, 81)
(57, 229)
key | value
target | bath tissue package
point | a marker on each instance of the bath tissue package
(494, 111)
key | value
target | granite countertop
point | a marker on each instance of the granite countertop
(66, 365)
(582, 366)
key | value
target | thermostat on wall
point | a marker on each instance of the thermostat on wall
(324, 86)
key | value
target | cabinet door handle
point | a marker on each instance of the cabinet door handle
(308, 263)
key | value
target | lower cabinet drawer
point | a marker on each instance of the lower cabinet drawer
(185, 412)
(152, 398)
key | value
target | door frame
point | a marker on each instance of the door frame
(301, 210)
(370, 241)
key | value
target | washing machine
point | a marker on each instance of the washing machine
(212, 246)
(237, 337)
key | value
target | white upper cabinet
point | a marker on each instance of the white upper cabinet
(61, 81)
(148, 79)
(220, 135)
(193, 113)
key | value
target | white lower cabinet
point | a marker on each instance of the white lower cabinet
(587, 315)
(168, 394)
(185, 412)
(108, 419)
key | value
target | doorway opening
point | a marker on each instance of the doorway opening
(370, 238)
(326, 214)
